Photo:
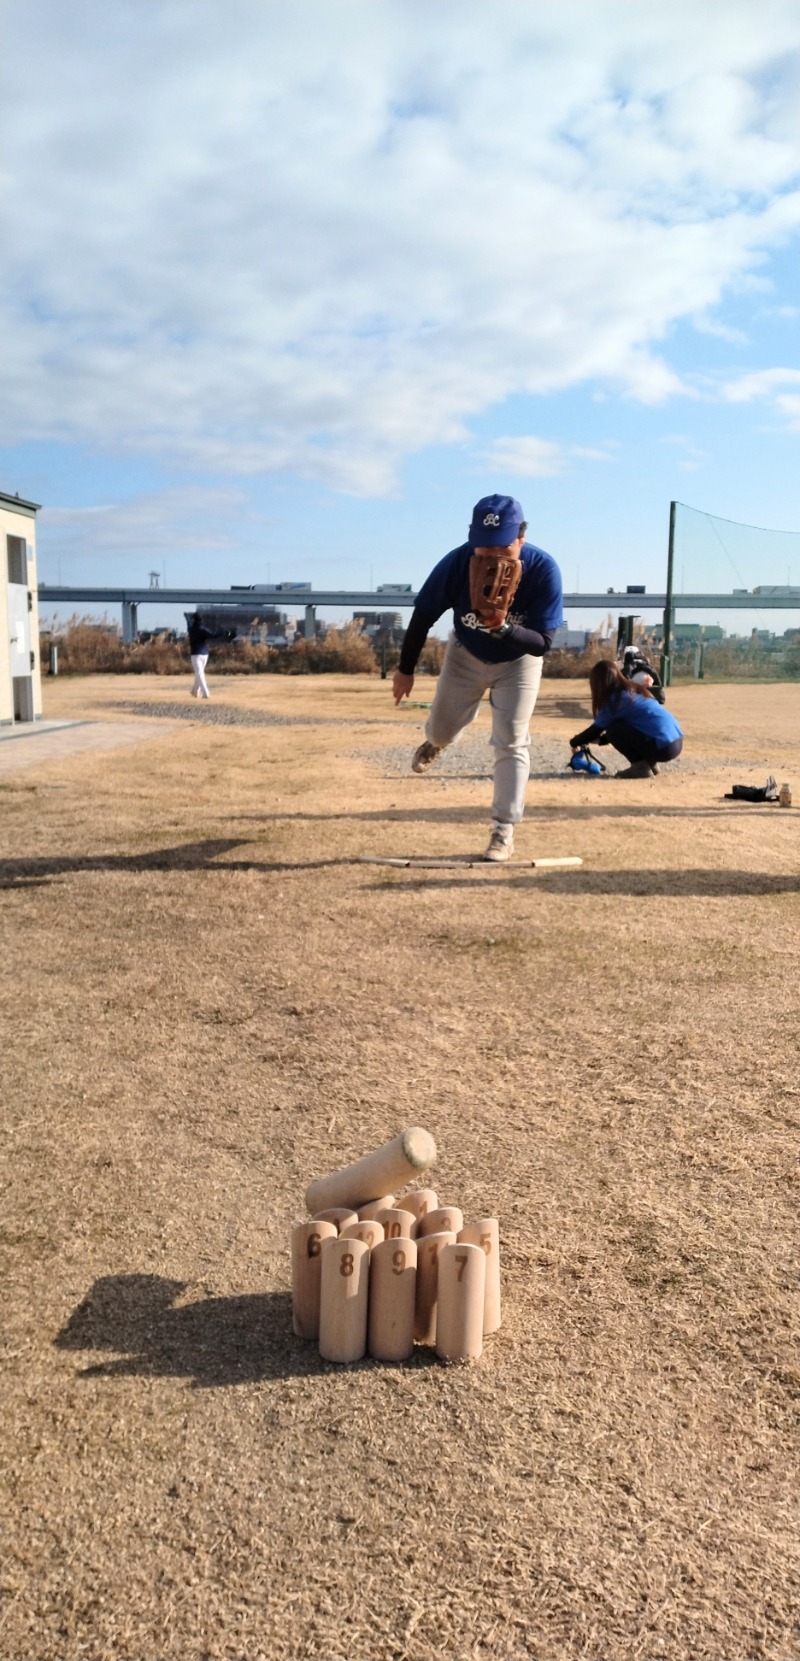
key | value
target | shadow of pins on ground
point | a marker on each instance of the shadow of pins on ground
(214, 1342)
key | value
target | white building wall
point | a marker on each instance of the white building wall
(20, 668)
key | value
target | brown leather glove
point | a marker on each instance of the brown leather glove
(493, 581)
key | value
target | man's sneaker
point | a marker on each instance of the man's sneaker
(424, 756)
(771, 789)
(501, 844)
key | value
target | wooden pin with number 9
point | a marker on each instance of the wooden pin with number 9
(392, 1297)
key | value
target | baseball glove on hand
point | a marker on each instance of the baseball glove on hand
(493, 582)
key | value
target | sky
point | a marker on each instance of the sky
(288, 286)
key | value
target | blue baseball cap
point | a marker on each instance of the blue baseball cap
(495, 522)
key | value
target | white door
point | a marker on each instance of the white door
(19, 628)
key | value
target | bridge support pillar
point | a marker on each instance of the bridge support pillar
(311, 622)
(130, 621)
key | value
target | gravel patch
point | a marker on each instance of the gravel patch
(228, 715)
(470, 758)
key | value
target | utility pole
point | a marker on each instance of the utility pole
(666, 663)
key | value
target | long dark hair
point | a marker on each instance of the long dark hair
(607, 682)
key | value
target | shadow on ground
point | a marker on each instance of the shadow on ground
(437, 809)
(214, 1342)
(188, 856)
(210, 856)
(580, 883)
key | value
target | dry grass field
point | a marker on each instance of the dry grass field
(208, 1001)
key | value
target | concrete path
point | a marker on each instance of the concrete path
(44, 741)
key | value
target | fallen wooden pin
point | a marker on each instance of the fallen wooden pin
(420, 864)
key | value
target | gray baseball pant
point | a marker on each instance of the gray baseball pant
(513, 689)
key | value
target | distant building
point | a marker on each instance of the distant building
(570, 640)
(381, 625)
(20, 669)
(257, 623)
(691, 633)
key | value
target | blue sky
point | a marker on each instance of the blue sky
(288, 286)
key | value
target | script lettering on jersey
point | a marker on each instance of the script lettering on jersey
(471, 620)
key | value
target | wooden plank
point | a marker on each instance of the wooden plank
(421, 864)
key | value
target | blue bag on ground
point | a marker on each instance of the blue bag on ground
(582, 761)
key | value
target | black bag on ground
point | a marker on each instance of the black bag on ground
(753, 793)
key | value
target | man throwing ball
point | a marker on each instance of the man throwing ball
(505, 596)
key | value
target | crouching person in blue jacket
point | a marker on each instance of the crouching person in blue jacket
(629, 717)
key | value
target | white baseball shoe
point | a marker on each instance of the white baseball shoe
(501, 843)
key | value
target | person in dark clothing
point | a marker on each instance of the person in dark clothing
(637, 668)
(629, 717)
(200, 638)
(506, 660)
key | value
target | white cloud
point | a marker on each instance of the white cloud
(159, 522)
(533, 458)
(765, 385)
(537, 458)
(315, 238)
(587, 453)
(761, 384)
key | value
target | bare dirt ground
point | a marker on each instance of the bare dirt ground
(208, 1001)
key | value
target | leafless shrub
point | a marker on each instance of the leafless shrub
(563, 665)
(342, 651)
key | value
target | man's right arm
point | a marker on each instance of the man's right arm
(413, 641)
(433, 599)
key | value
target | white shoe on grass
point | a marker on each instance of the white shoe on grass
(501, 843)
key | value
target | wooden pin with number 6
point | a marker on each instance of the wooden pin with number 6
(307, 1240)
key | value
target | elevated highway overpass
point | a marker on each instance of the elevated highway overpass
(360, 599)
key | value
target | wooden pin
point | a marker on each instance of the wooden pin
(397, 1224)
(446, 1219)
(462, 1291)
(420, 1201)
(307, 1240)
(341, 1215)
(365, 1212)
(428, 1249)
(392, 1296)
(486, 1233)
(344, 1299)
(369, 1231)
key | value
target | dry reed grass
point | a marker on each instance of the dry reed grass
(209, 1002)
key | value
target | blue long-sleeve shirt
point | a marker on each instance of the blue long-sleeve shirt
(645, 715)
(536, 609)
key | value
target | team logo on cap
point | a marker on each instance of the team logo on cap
(492, 519)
